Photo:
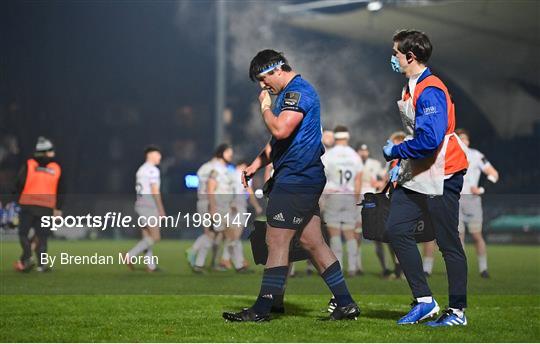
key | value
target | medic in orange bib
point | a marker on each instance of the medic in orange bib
(430, 178)
(38, 185)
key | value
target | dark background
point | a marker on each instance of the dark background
(104, 79)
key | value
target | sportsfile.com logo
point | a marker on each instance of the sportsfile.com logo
(113, 220)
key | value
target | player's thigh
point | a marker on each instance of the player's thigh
(312, 235)
(476, 233)
(278, 238)
(228, 233)
(236, 232)
(152, 232)
(334, 231)
(349, 234)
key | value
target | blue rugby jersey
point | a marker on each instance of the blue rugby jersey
(297, 159)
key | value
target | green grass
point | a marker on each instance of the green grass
(109, 303)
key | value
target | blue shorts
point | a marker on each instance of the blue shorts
(291, 206)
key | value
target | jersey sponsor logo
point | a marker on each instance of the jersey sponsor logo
(279, 217)
(292, 99)
(430, 110)
(297, 220)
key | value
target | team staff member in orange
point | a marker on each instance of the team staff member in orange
(430, 178)
(39, 185)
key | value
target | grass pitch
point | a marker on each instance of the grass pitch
(89, 303)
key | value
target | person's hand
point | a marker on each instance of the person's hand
(247, 174)
(477, 190)
(265, 100)
(387, 150)
(57, 212)
(394, 173)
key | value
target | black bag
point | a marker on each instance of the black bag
(375, 209)
(260, 251)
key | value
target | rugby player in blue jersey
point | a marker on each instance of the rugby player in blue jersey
(298, 181)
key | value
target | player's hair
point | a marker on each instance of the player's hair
(150, 149)
(341, 129)
(398, 135)
(413, 41)
(220, 150)
(242, 162)
(362, 146)
(462, 131)
(265, 59)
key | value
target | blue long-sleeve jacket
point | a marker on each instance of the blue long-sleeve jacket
(431, 123)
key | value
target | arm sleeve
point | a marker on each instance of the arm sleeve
(154, 176)
(430, 126)
(21, 180)
(296, 100)
(61, 191)
(483, 162)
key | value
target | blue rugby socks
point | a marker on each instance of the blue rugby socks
(333, 276)
(273, 283)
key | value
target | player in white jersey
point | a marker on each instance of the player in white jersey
(233, 248)
(148, 204)
(470, 203)
(219, 192)
(328, 139)
(343, 168)
(373, 180)
(204, 242)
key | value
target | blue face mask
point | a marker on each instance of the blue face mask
(394, 62)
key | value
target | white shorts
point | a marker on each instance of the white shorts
(340, 211)
(146, 212)
(202, 206)
(470, 213)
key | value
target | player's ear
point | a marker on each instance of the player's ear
(410, 57)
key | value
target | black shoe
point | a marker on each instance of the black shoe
(427, 274)
(485, 274)
(246, 315)
(332, 304)
(360, 272)
(349, 312)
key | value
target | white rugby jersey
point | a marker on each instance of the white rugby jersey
(224, 178)
(372, 169)
(341, 164)
(203, 173)
(146, 175)
(477, 164)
